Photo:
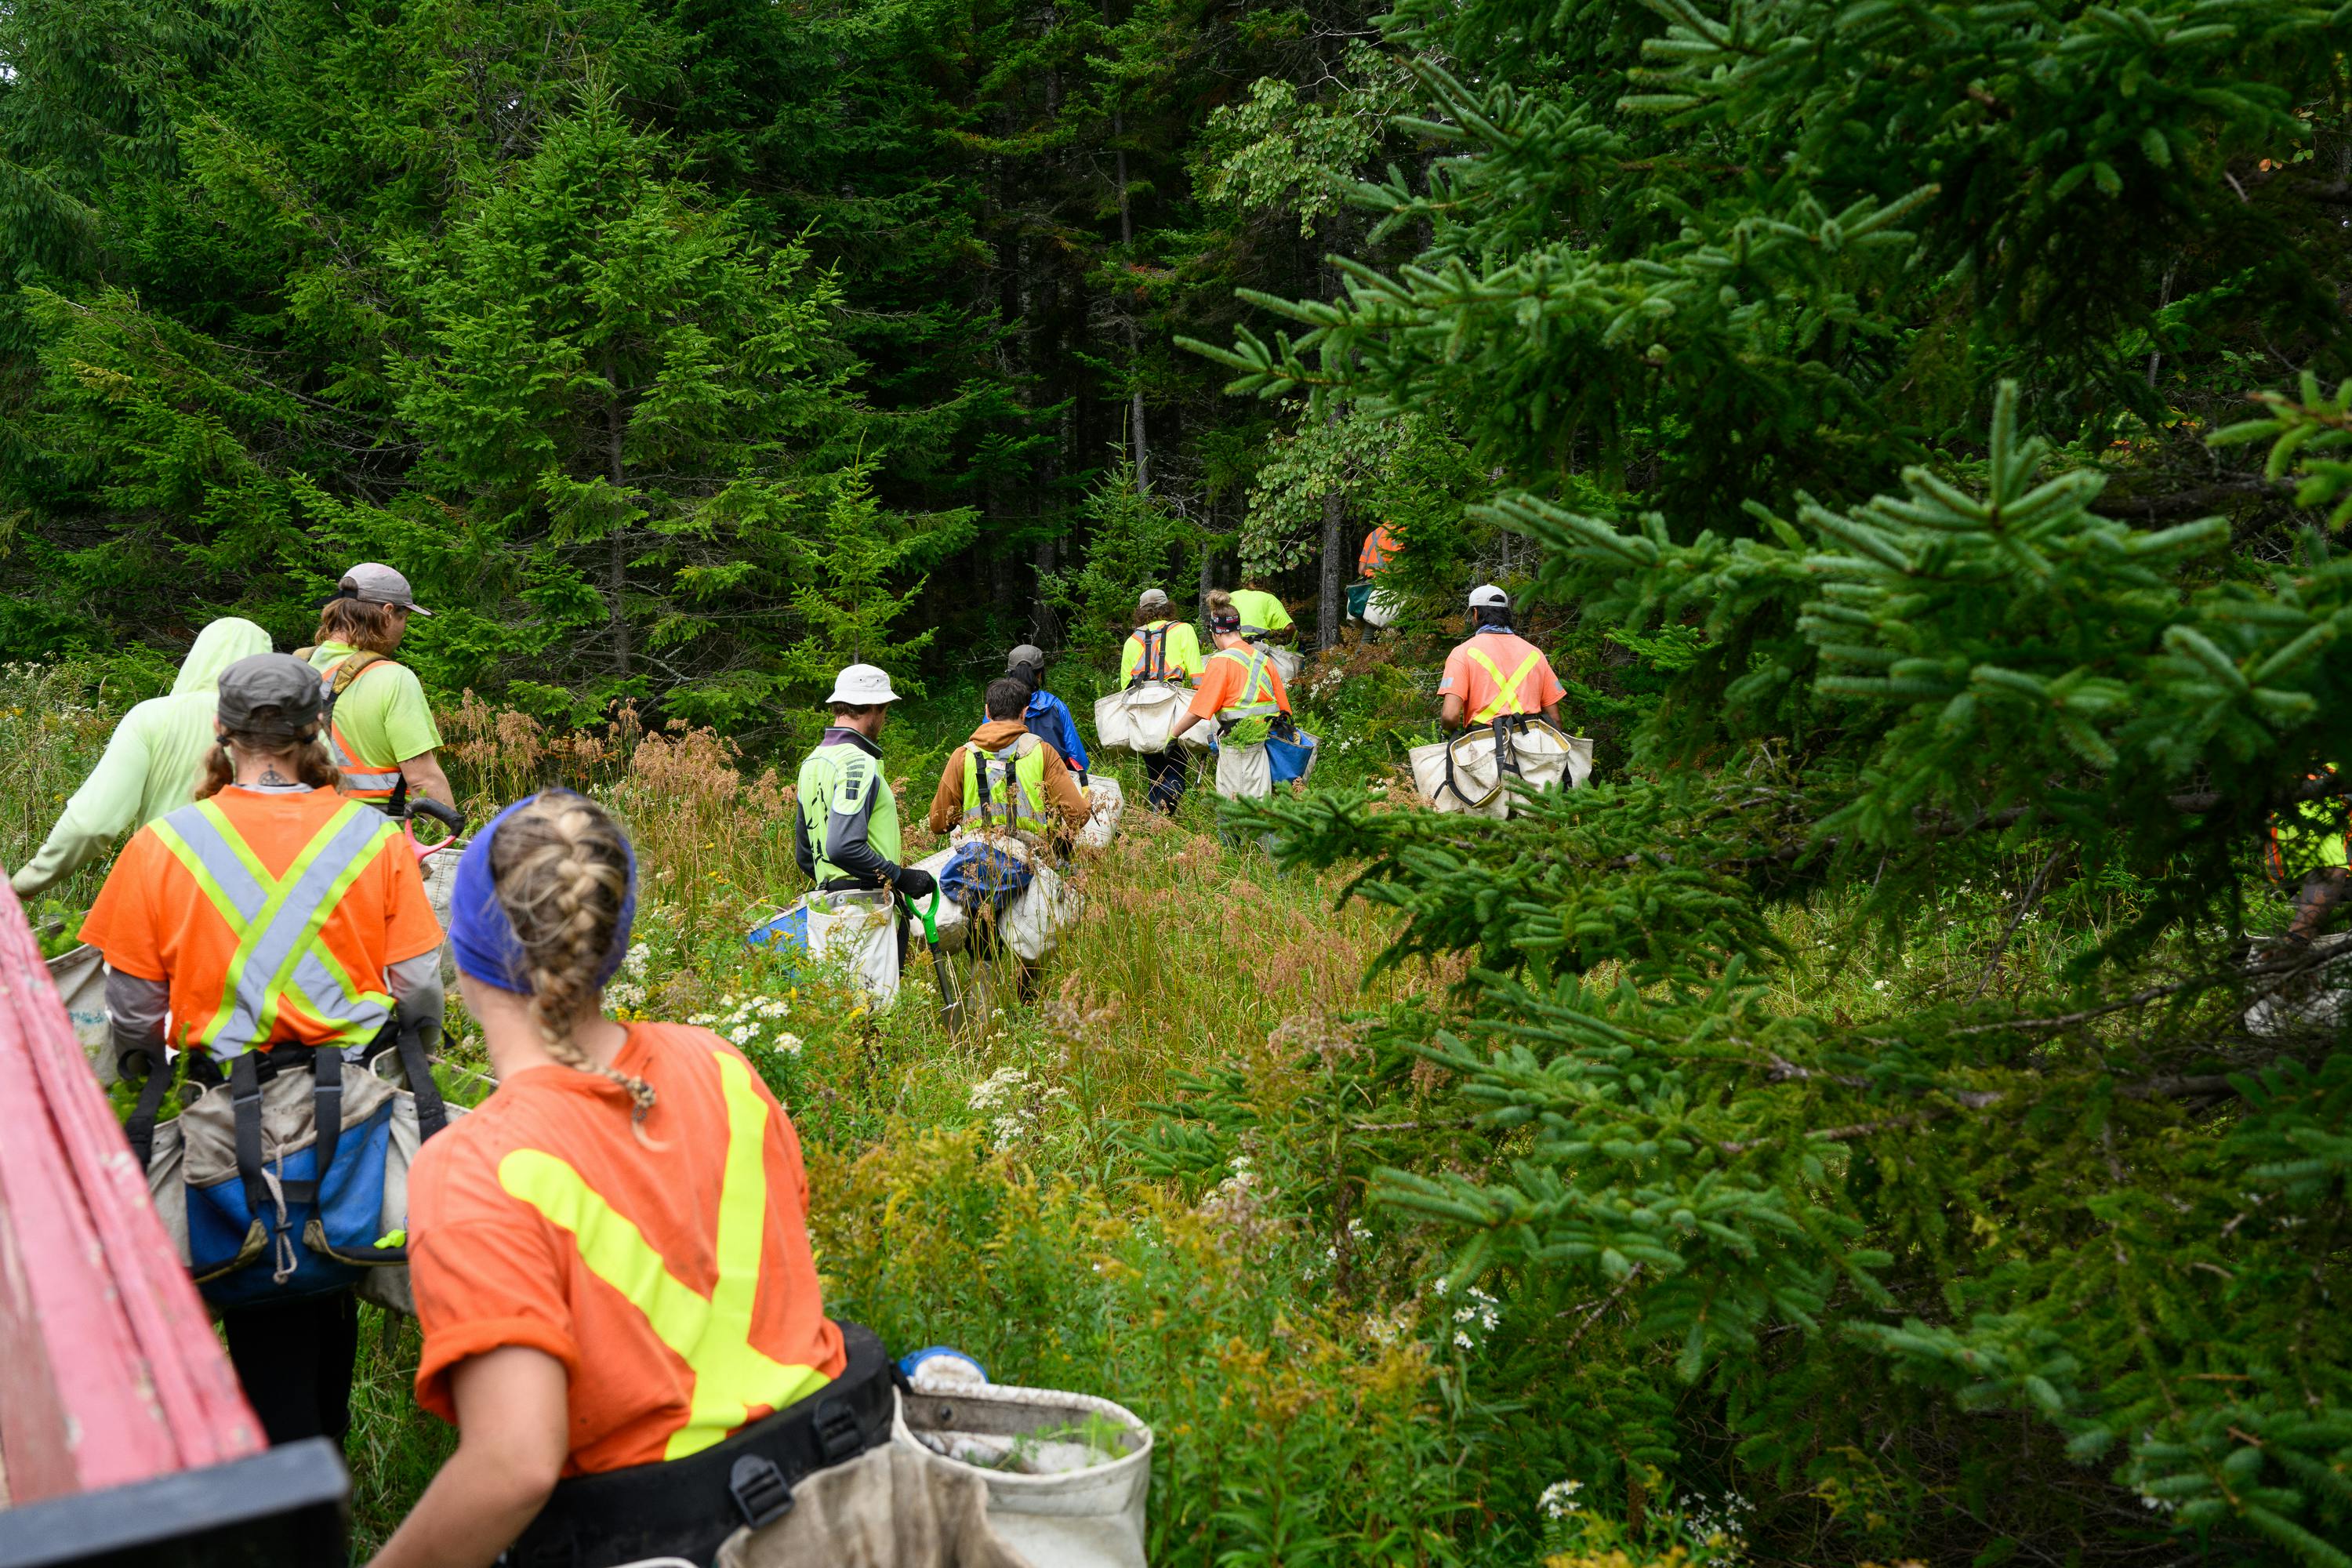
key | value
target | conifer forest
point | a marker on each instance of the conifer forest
(1880, 1118)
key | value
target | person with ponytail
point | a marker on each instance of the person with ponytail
(609, 1254)
(270, 930)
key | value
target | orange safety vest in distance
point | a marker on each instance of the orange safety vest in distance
(2307, 836)
(1379, 546)
(361, 781)
(1506, 697)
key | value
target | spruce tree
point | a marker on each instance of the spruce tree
(1875, 349)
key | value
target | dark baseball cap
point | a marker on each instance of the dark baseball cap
(373, 583)
(271, 694)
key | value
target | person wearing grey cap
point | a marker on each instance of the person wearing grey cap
(1047, 716)
(1161, 648)
(380, 727)
(271, 927)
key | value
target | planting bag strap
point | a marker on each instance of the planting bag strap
(141, 1128)
(326, 1109)
(432, 1114)
(245, 1106)
(1507, 751)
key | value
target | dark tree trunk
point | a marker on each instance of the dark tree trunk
(616, 544)
(1334, 585)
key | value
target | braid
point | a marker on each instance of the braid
(562, 872)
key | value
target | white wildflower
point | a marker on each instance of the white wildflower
(703, 1020)
(1002, 1086)
(744, 1034)
(634, 962)
(1560, 1498)
(788, 1042)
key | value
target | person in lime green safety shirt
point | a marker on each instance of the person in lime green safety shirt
(151, 766)
(1262, 613)
(2307, 848)
(380, 727)
(845, 836)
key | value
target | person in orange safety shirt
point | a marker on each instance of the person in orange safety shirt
(267, 864)
(610, 1255)
(1497, 671)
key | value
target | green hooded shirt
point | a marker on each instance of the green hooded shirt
(152, 763)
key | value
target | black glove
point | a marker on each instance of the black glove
(915, 884)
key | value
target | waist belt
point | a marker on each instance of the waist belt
(687, 1508)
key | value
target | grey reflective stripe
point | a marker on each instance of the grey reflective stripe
(270, 960)
(1002, 772)
(325, 995)
(1249, 684)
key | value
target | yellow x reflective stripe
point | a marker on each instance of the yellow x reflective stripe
(1507, 693)
(712, 1334)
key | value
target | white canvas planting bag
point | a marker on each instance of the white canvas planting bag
(1547, 759)
(1033, 924)
(891, 1507)
(81, 979)
(1068, 1475)
(1138, 718)
(1109, 803)
(1245, 773)
(858, 927)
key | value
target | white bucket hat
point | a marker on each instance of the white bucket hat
(862, 686)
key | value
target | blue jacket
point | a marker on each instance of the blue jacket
(1050, 721)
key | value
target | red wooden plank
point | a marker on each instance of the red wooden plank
(109, 1371)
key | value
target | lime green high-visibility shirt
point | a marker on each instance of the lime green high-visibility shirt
(383, 713)
(152, 763)
(1260, 611)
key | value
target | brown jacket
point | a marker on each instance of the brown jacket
(1061, 791)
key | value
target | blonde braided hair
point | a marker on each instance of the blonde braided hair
(561, 868)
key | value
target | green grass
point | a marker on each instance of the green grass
(1146, 1179)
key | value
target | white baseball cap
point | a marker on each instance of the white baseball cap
(1150, 596)
(862, 686)
(1487, 596)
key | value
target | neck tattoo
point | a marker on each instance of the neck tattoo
(270, 775)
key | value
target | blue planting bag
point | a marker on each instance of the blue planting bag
(1290, 757)
(982, 872)
(237, 1266)
(787, 934)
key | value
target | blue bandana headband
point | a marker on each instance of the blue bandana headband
(483, 937)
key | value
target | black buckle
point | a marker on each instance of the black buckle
(839, 1435)
(761, 1492)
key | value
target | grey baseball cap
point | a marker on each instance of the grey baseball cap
(373, 583)
(271, 694)
(1151, 596)
(1028, 654)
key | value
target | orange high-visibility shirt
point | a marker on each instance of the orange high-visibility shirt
(153, 919)
(1380, 546)
(1221, 686)
(1537, 689)
(675, 1283)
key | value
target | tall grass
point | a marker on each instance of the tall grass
(1144, 1180)
(54, 720)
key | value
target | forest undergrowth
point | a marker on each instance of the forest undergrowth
(1150, 1181)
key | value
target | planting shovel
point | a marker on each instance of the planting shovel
(950, 1002)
